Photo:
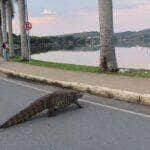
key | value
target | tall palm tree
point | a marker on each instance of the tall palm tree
(22, 18)
(107, 57)
(3, 19)
(10, 14)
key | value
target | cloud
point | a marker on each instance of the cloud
(48, 12)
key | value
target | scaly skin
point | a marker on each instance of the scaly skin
(56, 100)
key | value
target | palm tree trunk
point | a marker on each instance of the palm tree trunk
(3, 19)
(107, 56)
(10, 29)
(22, 18)
(1, 36)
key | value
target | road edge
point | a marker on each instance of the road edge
(116, 94)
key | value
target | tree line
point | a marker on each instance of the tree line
(66, 42)
(83, 41)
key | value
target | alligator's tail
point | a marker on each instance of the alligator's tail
(24, 115)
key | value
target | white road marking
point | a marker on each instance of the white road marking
(24, 85)
(117, 109)
(85, 101)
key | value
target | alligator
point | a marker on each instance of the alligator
(51, 102)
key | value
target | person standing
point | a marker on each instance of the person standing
(5, 51)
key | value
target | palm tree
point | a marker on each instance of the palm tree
(22, 18)
(3, 19)
(10, 14)
(107, 57)
(1, 36)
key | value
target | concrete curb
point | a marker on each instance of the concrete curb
(95, 90)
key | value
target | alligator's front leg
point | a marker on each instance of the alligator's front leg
(77, 103)
(51, 111)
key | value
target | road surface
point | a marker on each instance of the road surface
(103, 124)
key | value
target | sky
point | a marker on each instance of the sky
(57, 17)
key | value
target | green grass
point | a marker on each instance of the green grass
(82, 68)
(136, 73)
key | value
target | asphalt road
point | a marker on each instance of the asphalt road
(103, 124)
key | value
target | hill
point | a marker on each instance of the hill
(85, 41)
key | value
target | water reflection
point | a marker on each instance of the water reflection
(135, 57)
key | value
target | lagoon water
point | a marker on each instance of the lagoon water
(135, 57)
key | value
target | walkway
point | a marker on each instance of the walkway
(133, 84)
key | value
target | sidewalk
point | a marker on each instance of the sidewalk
(131, 84)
